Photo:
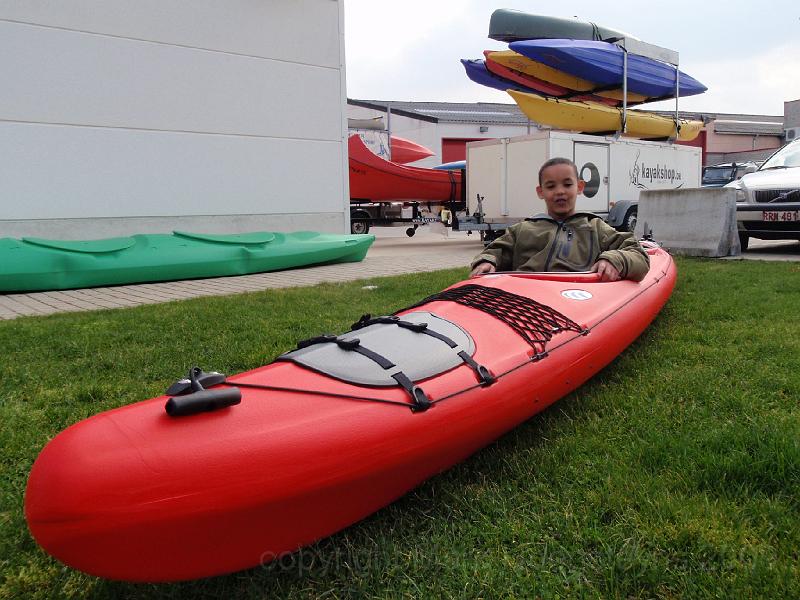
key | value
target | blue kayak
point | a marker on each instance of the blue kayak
(456, 165)
(601, 62)
(477, 72)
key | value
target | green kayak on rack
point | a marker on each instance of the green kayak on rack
(34, 264)
(509, 25)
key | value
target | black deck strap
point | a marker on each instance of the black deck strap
(533, 321)
(420, 401)
(320, 339)
(485, 376)
(367, 320)
(354, 345)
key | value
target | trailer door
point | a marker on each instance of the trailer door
(593, 168)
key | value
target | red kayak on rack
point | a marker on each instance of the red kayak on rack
(377, 180)
(405, 151)
(222, 475)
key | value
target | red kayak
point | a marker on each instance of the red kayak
(405, 151)
(377, 180)
(234, 473)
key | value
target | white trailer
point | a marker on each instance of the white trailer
(502, 176)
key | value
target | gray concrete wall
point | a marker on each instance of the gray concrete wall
(691, 222)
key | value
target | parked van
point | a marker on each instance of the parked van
(768, 201)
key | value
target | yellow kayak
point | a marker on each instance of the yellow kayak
(514, 60)
(592, 117)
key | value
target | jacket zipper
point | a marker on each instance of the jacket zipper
(553, 247)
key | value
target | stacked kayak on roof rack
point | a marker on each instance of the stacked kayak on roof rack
(576, 75)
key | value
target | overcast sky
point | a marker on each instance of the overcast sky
(746, 51)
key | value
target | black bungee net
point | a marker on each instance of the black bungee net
(533, 321)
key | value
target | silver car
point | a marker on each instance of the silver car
(768, 201)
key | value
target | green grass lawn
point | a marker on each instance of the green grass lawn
(674, 473)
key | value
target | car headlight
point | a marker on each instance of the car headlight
(741, 195)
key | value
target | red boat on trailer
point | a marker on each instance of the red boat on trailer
(373, 179)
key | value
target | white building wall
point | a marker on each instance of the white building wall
(122, 117)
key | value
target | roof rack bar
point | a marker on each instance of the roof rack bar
(649, 51)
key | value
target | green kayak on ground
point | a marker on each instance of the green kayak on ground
(34, 264)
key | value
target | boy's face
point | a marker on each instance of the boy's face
(559, 189)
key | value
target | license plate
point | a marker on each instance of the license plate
(781, 215)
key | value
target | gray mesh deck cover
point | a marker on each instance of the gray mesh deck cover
(418, 355)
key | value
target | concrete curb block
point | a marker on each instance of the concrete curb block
(691, 222)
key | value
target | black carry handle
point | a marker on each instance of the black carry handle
(185, 386)
(202, 401)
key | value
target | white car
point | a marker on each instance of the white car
(768, 201)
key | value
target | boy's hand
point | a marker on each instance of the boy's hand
(606, 270)
(484, 267)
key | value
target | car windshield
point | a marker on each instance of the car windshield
(712, 174)
(788, 156)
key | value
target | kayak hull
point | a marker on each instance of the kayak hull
(508, 25)
(590, 117)
(538, 85)
(374, 179)
(563, 82)
(405, 151)
(602, 62)
(134, 494)
(478, 72)
(33, 264)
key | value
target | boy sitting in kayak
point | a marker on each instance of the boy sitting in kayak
(564, 240)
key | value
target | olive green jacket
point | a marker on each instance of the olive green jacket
(575, 244)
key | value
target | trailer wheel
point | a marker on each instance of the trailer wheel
(359, 222)
(359, 227)
(629, 222)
